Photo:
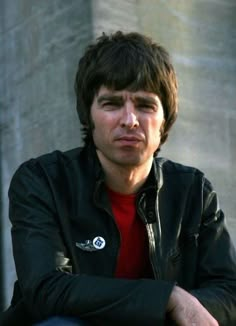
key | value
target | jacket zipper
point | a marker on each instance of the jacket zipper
(151, 241)
(152, 251)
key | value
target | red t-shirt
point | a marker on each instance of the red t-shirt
(133, 260)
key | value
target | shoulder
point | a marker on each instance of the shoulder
(184, 181)
(177, 175)
(170, 167)
(174, 173)
(54, 158)
(47, 166)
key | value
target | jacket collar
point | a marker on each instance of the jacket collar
(154, 180)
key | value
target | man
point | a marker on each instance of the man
(111, 234)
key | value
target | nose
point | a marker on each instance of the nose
(129, 118)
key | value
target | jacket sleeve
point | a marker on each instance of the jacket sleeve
(217, 262)
(47, 285)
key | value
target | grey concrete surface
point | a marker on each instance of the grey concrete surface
(201, 36)
(41, 42)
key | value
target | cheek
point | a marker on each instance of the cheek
(154, 130)
(99, 137)
(105, 124)
(101, 128)
(155, 126)
(98, 129)
(100, 118)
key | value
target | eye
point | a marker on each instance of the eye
(146, 107)
(110, 106)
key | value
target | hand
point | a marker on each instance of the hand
(185, 310)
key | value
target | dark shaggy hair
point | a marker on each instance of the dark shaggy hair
(125, 61)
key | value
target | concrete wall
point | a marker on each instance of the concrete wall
(201, 36)
(41, 42)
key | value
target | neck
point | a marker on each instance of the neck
(124, 179)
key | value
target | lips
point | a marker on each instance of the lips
(129, 140)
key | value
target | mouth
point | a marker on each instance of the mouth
(129, 140)
(130, 137)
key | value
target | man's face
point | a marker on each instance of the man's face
(126, 125)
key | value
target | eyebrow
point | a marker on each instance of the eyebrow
(109, 97)
(146, 100)
(119, 99)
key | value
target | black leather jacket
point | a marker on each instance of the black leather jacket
(59, 204)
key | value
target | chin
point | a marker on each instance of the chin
(129, 161)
